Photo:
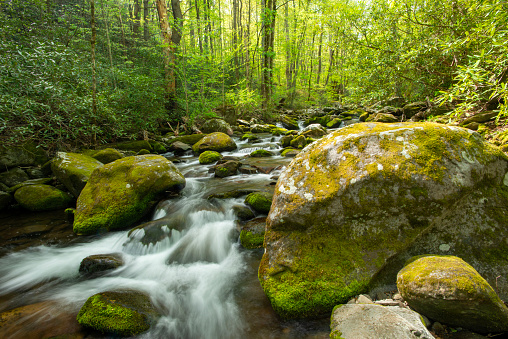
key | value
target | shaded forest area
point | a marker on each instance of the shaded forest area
(84, 72)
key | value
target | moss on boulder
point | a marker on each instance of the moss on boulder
(124, 313)
(217, 141)
(107, 155)
(208, 157)
(27, 154)
(227, 168)
(73, 170)
(253, 233)
(353, 206)
(217, 125)
(42, 198)
(449, 290)
(260, 201)
(260, 153)
(120, 193)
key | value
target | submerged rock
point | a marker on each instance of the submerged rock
(100, 263)
(120, 193)
(73, 170)
(38, 198)
(125, 313)
(351, 208)
(374, 321)
(447, 289)
(219, 142)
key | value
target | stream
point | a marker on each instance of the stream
(198, 276)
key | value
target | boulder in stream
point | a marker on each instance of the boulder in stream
(259, 201)
(351, 208)
(219, 142)
(97, 263)
(107, 155)
(449, 290)
(13, 177)
(38, 198)
(217, 125)
(209, 157)
(124, 313)
(253, 233)
(73, 170)
(122, 192)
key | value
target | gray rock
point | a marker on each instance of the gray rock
(314, 131)
(100, 262)
(179, 148)
(227, 168)
(374, 321)
(13, 177)
(42, 198)
(25, 155)
(217, 125)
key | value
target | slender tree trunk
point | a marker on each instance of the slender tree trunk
(268, 22)
(247, 45)
(136, 18)
(330, 65)
(288, 48)
(106, 17)
(191, 28)
(146, 30)
(319, 58)
(124, 41)
(93, 41)
(168, 51)
(198, 21)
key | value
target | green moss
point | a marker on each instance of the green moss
(209, 157)
(113, 312)
(42, 198)
(188, 139)
(260, 201)
(251, 240)
(261, 153)
(217, 141)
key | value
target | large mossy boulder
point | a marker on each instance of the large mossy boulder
(288, 122)
(449, 290)
(209, 157)
(73, 170)
(121, 313)
(218, 142)
(122, 192)
(259, 201)
(217, 125)
(351, 208)
(42, 198)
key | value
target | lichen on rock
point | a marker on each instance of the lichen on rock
(353, 206)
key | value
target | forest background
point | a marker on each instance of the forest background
(84, 72)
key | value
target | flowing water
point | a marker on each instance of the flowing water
(197, 275)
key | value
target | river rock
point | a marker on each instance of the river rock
(259, 201)
(382, 117)
(253, 233)
(5, 200)
(364, 321)
(288, 122)
(351, 208)
(314, 131)
(179, 148)
(242, 212)
(208, 157)
(260, 153)
(217, 125)
(334, 123)
(73, 170)
(413, 108)
(13, 177)
(24, 155)
(449, 290)
(122, 192)
(227, 168)
(100, 262)
(42, 198)
(257, 128)
(480, 117)
(217, 141)
(298, 142)
(107, 155)
(154, 231)
(125, 313)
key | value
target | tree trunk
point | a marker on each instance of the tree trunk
(93, 41)
(176, 35)
(268, 22)
(198, 22)
(319, 58)
(146, 31)
(136, 18)
(169, 53)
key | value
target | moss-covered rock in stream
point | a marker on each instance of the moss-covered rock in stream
(260, 153)
(99, 263)
(27, 154)
(13, 177)
(124, 313)
(217, 125)
(288, 122)
(122, 192)
(250, 137)
(107, 155)
(227, 168)
(219, 142)
(73, 170)
(353, 206)
(253, 233)
(314, 131)
(382, 117)
(42, 198)
(449, 290)
(209, 157)
(260, 201)
(298, 142)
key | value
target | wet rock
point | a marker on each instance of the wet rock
(217, 125)
(107, 155)
(289, 153)
(288, 122)
(209, 157)
(480, 117)
(25, 155)
(219, 142)
(124, 313)
(298, 142)
(260, 201)
(42, 198)
(227, 169)
(122, 192)
(250, 137)
(154, 231)
(41, 181)
(345, 198)
(374, 321)
(243, 213)
(100, 262)
(278, 131)
(13, 177)
(143, 152)
(253, 233)
(73, 170)
(261, 153)
(179, 148)
(286, 140)
(247, 169)
(257, 128)
(447, 289)
(231, 194)
(382, 117)
(335, 123)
